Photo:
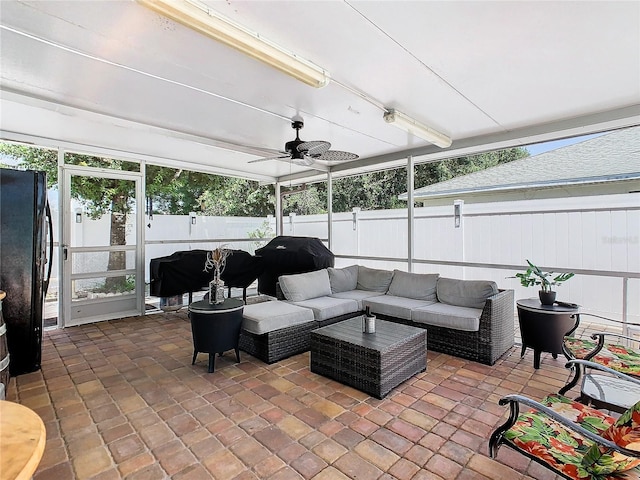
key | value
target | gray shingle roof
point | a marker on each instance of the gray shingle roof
(611, 157)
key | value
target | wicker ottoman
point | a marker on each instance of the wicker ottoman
(275, 330)
(374, 363)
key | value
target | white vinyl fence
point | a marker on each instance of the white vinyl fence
(597, 237)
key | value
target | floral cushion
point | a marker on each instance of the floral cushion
(617, 357)
(554, 445)
(625, 433)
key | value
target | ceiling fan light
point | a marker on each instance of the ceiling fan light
(410, 125)
(198, 17)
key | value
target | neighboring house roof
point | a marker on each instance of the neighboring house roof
(611, 157)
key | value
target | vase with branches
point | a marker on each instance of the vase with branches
(216, 260)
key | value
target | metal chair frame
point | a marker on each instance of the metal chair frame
(600, 337)
(497, 437)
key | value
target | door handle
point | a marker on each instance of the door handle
(50, 255)
(65, 252)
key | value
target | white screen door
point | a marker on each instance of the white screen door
(102, 254)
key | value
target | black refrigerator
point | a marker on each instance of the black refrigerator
(25, 264)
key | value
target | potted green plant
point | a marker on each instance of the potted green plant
(535, 276)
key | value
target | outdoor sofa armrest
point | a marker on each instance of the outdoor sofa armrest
(497, 325)
(498, 308)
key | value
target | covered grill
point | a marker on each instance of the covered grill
(288, 255)
(183, 272)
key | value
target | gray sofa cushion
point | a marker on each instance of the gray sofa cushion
(357, 295)
(465, 293)
(343, 279)
(269, 316)
(419, 286)
(373, 279)
(448, 316)
(399, 307)
(303, 286)
(329, 307)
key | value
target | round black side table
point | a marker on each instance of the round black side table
(543, 327)
(216, 328)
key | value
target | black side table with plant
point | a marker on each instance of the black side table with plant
(543, 327)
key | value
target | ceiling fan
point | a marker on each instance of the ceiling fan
(306, 154)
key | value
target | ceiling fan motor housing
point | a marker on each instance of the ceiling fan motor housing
(292, 148)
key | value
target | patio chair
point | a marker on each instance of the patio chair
(611, 354)
(605, 388)
(573, 440)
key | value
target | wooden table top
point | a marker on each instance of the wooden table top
(22, 440)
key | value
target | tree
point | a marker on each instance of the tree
(371, 191)
(174, 191)
(97, 195)
(238, 197)
(177, 192)
(430, 173)
(380, 190)
(304, 201)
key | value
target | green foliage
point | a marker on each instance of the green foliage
(306, 202)
(117, 285)
(178, 192)
(430, 173)
(371, 191)
(238, 197)
(98, 195)
(380, 190)
(535, 276)
(41, 159)
(264, 231)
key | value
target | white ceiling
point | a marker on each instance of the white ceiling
(113, 76)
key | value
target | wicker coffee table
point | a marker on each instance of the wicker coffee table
(375, 362)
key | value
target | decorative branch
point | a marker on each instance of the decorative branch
(217, 259)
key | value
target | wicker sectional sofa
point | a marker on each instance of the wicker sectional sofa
(471, 319)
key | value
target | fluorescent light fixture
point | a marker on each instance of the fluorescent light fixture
(198, 17)
(410, 125)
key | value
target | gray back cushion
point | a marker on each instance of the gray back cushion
(373, 279)
(303, 286)
(419, 286)
(343, 279)
(465, 293)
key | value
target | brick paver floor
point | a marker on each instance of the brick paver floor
(120, 399)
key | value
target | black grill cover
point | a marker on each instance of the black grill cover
(288, 255)
(183, 272)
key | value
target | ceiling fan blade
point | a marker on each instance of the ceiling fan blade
(305, 154)
(334, 156)
(310, 163)
(305, 161)
(314, 148)
(279, 157)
